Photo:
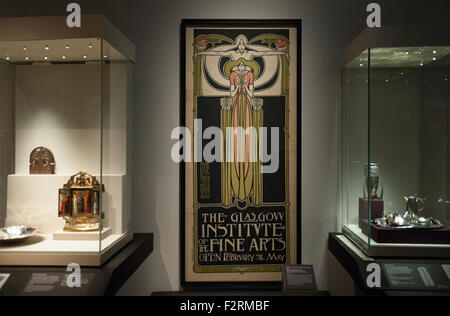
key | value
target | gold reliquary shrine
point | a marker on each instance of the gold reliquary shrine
(79, 203)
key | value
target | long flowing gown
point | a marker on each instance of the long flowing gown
(241, 178)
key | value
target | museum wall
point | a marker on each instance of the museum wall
(396, 109)
(41, 93)
(157, 111)
(153, 26)
(68, 98)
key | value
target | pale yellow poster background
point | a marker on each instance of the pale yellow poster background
(191, 276)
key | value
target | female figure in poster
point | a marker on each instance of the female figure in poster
(241, 168)
(241, 179)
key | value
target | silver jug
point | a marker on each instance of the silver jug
(413, 209)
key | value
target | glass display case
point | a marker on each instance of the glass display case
(396, 142)
(65, 186)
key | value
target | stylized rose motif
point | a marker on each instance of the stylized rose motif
(280, 43)
(201, 44)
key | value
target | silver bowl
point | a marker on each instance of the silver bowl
(14, 234)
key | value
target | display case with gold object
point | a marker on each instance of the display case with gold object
(79, 203)
(65, 107)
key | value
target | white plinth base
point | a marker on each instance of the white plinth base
(63, 235)
(42, 250)
(354, 233)
(33, 201)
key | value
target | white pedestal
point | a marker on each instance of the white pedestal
(33, 201)
(42, 250)
(63, 235)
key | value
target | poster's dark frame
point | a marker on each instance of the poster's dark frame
(185, 23)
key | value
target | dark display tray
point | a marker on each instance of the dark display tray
(407, 236)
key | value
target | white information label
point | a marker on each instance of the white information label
(3, 278)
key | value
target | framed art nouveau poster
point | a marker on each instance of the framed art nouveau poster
(240, 179)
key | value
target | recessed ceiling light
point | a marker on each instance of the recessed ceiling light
(434, 58)
(46, 47)
(406, 52)
(64, 57)
(421, 64)
(7, 58)
(24, 48)
(45, 57)
(84, 56)
(360, 65)
(434, 52)
(27, 58)
(90, 46)
(106, 56)
(67, 46)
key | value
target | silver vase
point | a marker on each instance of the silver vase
(373, 186)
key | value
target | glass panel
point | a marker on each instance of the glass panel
(116, 143)
(6, 132)
(355, 143)
(409, 128)
(50, 128)
(396, 143)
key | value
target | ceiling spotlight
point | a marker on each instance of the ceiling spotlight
(406, 53)
(45, 57)
(64, 57)
(90, 46)
(106, 56)
(67, 46)
(434, 52)
(360, 65)
(84, 56)
(24, 48)
(421, 64)
(46, 47)
(7, 58)
(27, 58)
(434, 58)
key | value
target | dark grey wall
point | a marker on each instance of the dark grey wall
(328, 25)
